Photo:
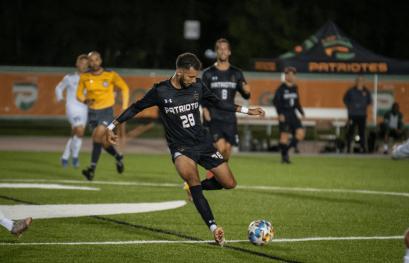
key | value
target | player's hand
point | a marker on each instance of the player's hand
(206, 114)
(89, 102)
(246, 88)
(111, 137)
(281, 118)
(257, 111)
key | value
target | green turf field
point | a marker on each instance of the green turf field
(295, 213)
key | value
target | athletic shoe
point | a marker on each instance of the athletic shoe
(75, 162)
(209, 174)
(119, 164)
(89, 173)
(218, 235)
(64, 163)
(285, 159)
(189, 195)
(20, 226)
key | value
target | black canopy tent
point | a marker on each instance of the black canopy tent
(330, 50)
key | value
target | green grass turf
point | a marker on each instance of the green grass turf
(294, 214)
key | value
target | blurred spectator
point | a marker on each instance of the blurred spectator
(357, 99)
(392, 126)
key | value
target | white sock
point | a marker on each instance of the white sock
(406, 257)
(66, 153)
(76, 146)
(385, 147)
(7, 223)
(212, 228)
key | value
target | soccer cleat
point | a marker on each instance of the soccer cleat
(189, 195)
(89, 174)
(75, 162)
(285, 159)
(20, 226)
(119, 164)
(218, 235)
(64, 163)
(209, 174)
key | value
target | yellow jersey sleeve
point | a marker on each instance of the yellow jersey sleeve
(118, 81)
(80, 89)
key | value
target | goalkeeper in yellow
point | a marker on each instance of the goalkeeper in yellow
(99, 86)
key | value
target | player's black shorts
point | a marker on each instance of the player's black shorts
(204, 154)
(291, 123)
(224, 130)
(100, 117)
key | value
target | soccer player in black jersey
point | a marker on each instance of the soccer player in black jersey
(286, 100)
(224, 80)
(190, 144)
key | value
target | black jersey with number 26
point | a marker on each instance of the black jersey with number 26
(179, 110)
(224, 84)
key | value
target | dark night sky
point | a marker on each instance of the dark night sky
(149, 34)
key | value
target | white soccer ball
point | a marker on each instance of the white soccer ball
(260, 232)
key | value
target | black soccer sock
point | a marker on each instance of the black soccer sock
(96, 152)
(293, 143)
(211, 184)
(202, 205)
(284, 149)
(111, 150)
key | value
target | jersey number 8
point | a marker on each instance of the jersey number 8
(224, 94)
(188, 120)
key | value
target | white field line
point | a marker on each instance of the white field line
(204, 241)
(239, 186)
(47, 186)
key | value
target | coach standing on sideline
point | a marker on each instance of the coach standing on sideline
(357, 99)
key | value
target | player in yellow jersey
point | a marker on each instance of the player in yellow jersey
(99, 84)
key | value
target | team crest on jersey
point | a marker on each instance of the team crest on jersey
(196, 95)
(105, 83)
(215, 136)
(181, 149)
(233, 78)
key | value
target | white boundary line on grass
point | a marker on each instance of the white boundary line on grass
(239, 186)
(201, 241)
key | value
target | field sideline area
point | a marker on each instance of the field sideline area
(323, 209)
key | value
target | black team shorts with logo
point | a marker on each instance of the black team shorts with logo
(100, 117)
(291, 123)
(224, 130)
(204, 154)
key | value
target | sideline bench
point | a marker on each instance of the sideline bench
(337, 116)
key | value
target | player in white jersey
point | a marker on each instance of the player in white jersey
(76, 111)
(401, 151)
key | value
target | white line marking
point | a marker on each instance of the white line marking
(204, 241)
(239, 186)
(74, 210)
(47, 186)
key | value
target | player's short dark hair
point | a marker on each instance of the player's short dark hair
(82, 56)
(290, 69)
(187, 61)
(222, 40)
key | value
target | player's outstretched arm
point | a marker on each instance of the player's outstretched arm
(110, 135)
(257, 111)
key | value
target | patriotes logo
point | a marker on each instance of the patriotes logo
(338, 45)
(196, 95)
(27, 94)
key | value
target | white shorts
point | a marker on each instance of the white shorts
(77, 115)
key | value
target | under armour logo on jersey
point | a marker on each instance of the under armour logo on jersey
(170, 101)
(214, 78)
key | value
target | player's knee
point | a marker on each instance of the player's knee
(231, 185)
(300, 135)
(407, 238)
